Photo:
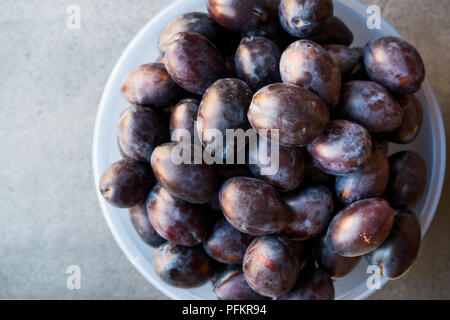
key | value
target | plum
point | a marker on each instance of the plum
(253, 206)
(182, 267)
(238, 15)
(370, 105)
(197, 22)
(397, 254)
(407, 181)
(336, 32)
(343, 147)
(231, 285)
(141, 130)
(369, 182)
(395, 64)
(271, 266)
(346, 58)
(182, 119)
(226, 244)
(151, 85)
(257, 62)
(335, 265)
(303, 18)
(140, 221)
(360, 228)
(194, 62)
(299, 115)
(175, 220)
(126, 183)
(412, 120)
(192, 182)
(308, 65)
(291, 165)
(223, 106)
(312, 210)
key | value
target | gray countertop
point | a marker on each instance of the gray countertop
(51, 82)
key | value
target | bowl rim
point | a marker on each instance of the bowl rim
(130, 250)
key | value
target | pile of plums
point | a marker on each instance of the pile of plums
(337, 196)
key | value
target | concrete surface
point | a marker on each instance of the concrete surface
(51, 81)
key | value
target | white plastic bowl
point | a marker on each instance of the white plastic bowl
(143, 49)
